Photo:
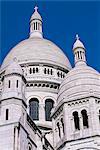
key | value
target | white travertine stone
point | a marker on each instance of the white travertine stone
(79, 90)
(37, 50)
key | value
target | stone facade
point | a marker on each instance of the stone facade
(45, 104)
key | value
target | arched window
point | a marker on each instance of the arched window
(76, 120)
(85, 118)
(59, 129)
(49, 103)
(62, 122)
(29, 146)
(34, 108)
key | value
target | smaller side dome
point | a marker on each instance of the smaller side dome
(80, 82)
(14, 67)
(78, 43)
(36, 15)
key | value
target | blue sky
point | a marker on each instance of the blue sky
(62, 20)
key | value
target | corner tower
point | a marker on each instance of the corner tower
(12, 106)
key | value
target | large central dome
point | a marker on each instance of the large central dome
(37, 50)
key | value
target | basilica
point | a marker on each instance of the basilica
(45, 104)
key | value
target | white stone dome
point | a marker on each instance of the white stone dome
(14, 67)
(37, 50)
(82, 81)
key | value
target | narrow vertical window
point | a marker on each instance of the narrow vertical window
(9, 83)
(37, 69)
(48, 71)
(38, 26)
(78, 55)
(62, 122)
(81, 55)
(17, 84)
(7, 114)
(58, 73)
(51, 72)
(44, 70)
(30, 70)
(29, 146)
(49, 103)
(34, 25)
(99, 115)
(61, 74)
(76, 120)
(85, 118)
(33, 70)
(59, 129)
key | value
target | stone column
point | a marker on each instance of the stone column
(41, 69)
(16, 138)
(57, 135)
(81, 124)
(61, 130)
(42, 112)
(94, 124)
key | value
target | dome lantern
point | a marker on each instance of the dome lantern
(79, 52)
(36, 24)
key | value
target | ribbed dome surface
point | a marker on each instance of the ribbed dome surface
(35, 50)
(80, 82)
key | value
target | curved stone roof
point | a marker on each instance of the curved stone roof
(14, 67)
(78, 44)
(37, 50)
(36, 15)
(80, 82)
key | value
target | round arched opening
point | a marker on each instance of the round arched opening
(49, 104)
(34, 108)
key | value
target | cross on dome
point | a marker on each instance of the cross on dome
(77, 37)
(36, 8)
(36, 24)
